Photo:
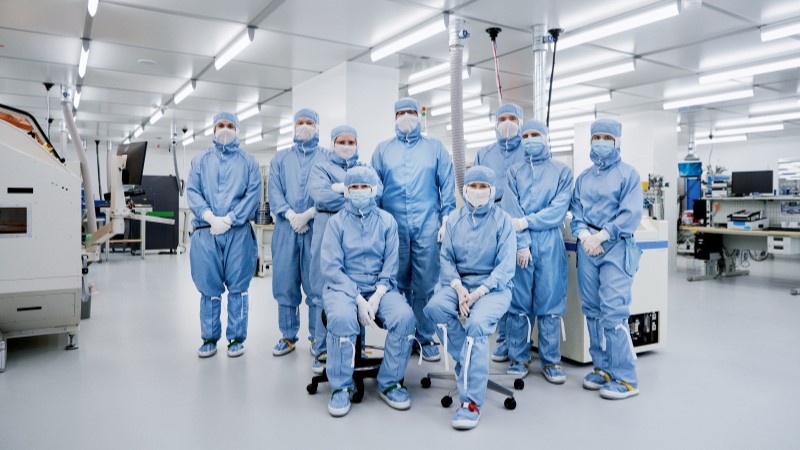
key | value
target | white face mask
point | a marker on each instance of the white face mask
(225, 135)
(407, 122)
(305, 132)
(507, 129)
(477, 197)
(344, 151)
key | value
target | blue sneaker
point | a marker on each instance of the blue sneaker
(283, 347)
(208, 349)
(501, 352)
(618, 390)
(518, 369)
(318, 366)
(235, 349)
(397, 397)
(594, 380)
(340, 402)
(554, 374)
(430, 352)
(466, 417)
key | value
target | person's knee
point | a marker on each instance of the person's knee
(436, 309)
(341, 323)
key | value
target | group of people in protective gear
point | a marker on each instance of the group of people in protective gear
(386, 243)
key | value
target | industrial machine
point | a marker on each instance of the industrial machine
(654, 196)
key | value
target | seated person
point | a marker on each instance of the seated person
(477, 264)
(359, 265)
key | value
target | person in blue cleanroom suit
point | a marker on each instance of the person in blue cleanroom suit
(326, 186)
(500, 156)
(293, 207)
(607, 208)
(419, 191)
(477, 260)
(359, 264)
(223, 193)
(540, 190)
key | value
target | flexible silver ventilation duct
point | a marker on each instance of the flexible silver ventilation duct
(457, 36)
(88, 186)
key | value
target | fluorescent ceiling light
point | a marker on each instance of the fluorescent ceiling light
(714, 98)
(475, 124)
(435, 83)
(586, 101)
(408, 39)
(774, 107)
(772, 118)
(480, 144)
(92, 6)
(77, 99)
(571, 92)
(208, 131)
(126, 141)
(694, 89)
(614, 26)
(286, 129)
(594, 74)
(442, 110)
(720, 140)
(772, 32)
(561, 149)
(569, 122)
(185, 91)
(561, 135)
(156, 116)
(138, 132)
(84, 57)
(747, 71)
(253, 139)
(562, 143)
(678, 129)
(480, 136)
(237, 46)
(249, 112)
(745, 130)
(188, 141)
(429, 72)
(286, 143)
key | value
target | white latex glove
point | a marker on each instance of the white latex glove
(219, 225)
(365, 315)
(520, 224)
(227, 220)
(305, 229)
(304, 217)
(293, 219)
(523, 257)
(461, 291)
(338, 187)
(440, 235)
(375, 299)
(592, 244)
(473, 297)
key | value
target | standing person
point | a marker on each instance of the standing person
(359, 264)
(540, 190)
(477, 260)
(326, 186)
(607, 208)
(419, 191)
(223, 193)
(294, 210)
(501, 156)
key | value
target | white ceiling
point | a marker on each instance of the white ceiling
(297, 39)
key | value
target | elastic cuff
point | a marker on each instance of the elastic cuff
(455, 283)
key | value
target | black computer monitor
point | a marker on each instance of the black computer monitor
(748, 183)
(134, 167)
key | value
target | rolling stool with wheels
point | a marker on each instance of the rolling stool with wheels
(364, 367)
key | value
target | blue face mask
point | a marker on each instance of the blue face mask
(533, 146)
(602, 148)
(360, 197)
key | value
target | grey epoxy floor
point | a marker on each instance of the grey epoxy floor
(727, 379)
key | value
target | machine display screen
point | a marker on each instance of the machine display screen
(748, 183)
(13, 220)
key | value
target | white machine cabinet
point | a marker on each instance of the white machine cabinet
(648, 320)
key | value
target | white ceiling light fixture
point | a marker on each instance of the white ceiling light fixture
(751, 70)
(569, 122)
(286, 129)
(567, 134)
(429, 72)
(627, 22)
(284, 144)
(562, 143)
(253, 139)
(156, 116)
(208, 131)
(77, 99)
(475, 124)
(434, 83)
(774, 107)
(720, 140)
(249, 112)
(480, 144)
(237, 46)
(92, 6)
(138, 132)
(582, 102)
(561, 149)
(714, 98)
(772, 32)
(188, 141)
(744, 130)
(432, 28)
(771, 118)
(594, 74)
(126, 141)
(445, 109)
(480, 136)
(84, 57)
(185, 91)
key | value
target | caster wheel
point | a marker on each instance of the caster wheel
(519, 384)
(425, 382)
(447, 401)
(358, 396)
(312, 388)
(510, 403)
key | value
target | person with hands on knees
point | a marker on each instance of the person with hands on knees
(606, 210)
(359, 264)
(500, 156)
(223, 193)
(291, 204)
(477, 265)
(419, 191)
(326, 186)
(540, 190)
